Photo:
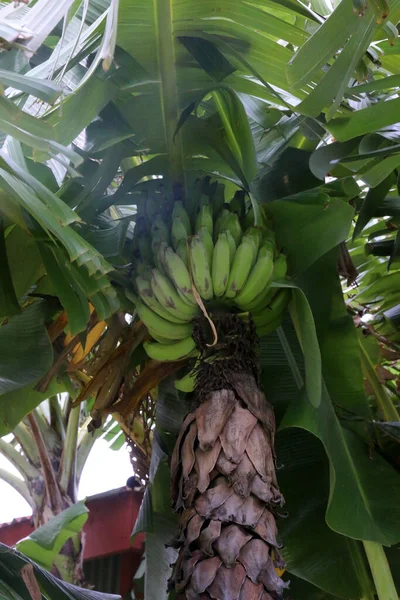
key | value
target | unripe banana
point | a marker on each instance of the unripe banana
(204, 200)
(179, 274)
(359, 7)
(380, 8)
(221, 265)
(232, 245)
(266, 295)
(280, 268)
(168, 297)
(276, 307)
(268, 236)
(158, 256)
(179, 211)
(205, 219)
(257, 234)
(199, 268)
(164, 328)
(264, 330)
(159, 227)
(241, 267)
(181, 251)
(168, 352)
(220, 222)
(232, 223)
(160, 338)
(207, 240)
(259, 277)
(148, 297)
(186, 383)
(178, 232)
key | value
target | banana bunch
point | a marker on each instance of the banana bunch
(208, 248)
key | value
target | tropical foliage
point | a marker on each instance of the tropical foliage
(298, 107)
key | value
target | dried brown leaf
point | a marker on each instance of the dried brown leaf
(227, 583)
(230, 543)
(236, 432)
(212, 415)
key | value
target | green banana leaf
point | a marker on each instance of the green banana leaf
(44, 544)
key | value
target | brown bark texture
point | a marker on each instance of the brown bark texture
(224, 486)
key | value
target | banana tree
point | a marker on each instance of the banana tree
(49, 449)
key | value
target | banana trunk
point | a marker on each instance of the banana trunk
(223, 479)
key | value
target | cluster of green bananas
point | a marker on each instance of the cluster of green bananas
(211, 247)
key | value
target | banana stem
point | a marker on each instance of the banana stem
(380, 570)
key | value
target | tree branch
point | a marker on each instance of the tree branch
(52, 489)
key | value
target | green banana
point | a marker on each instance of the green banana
(359, 7)
(391, 32)
(221, 265)
(232, 245)
(257, 234)
(181, 251)
(158, 256)
(159, 227)
(168, 352)
(186, 383)
(207, 240)
(204, 200)
(280, 268)
(220, 222)
(241, 267)
(159, 338)
(148, 297)
(263, 330)
(233, 224)
(380, 8)
(180, 211)
(205, 219)
(178, 232)
(180, 276)
(164, 328)
(200, 270)
(266, 295)
(276, 307)
(168, 297)
(259, 277)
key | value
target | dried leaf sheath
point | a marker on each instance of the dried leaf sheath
(224, 485)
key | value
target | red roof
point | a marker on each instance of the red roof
(112, 516)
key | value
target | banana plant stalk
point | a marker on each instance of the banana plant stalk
(49, 452)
